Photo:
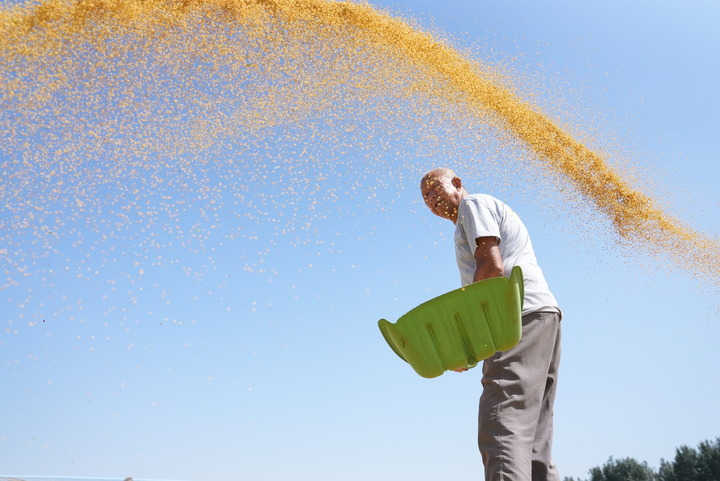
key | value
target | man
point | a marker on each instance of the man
(516, 405)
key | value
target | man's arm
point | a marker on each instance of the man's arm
(488, 261)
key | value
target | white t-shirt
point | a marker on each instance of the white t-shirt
(481, 215)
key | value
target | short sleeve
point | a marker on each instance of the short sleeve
(478, 220)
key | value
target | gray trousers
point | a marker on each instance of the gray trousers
(516, 405)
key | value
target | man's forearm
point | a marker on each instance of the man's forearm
(488, 261)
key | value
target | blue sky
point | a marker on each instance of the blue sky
(261, 359)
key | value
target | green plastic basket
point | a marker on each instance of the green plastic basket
(460, 328)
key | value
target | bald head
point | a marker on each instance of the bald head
(438, 173)
(442, 192)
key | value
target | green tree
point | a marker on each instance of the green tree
(626, 469)
(709, 460)
(701, 464)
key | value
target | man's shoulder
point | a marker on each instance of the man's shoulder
(486, 200)
(480, 206)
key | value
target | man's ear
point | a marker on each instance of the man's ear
(456, 182)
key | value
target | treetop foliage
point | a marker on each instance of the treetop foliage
(699, 464)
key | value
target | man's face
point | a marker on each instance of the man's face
(442, 195)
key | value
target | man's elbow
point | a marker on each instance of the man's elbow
(497, 271)
(488, 273)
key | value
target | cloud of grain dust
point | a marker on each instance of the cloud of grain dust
(112, 109)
